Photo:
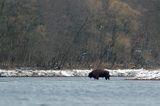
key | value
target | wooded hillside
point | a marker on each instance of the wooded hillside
(80, 33)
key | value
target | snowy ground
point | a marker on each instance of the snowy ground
(147, 75)
(139, 74)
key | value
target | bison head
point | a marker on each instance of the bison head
(90, 75)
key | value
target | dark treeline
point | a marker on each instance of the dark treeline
(79, 33)
(21, 33)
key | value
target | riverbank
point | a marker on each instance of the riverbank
(130, 74)
(63, 73)
(146, 75)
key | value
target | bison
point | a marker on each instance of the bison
(99, 73)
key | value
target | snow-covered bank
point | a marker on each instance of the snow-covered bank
(124, 72)
(43, 73)
(62, 73)
(137, 74)
(133, 74)
(147, 75)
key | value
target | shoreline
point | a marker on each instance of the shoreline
(130, 74)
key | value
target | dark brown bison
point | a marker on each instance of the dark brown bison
(99, 73)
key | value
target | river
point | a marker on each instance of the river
(78, 91)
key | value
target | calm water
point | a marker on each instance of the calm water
(81, 91)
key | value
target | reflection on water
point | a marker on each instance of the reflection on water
(78, 91)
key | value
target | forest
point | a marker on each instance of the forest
(69, 34)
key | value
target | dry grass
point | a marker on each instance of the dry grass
(122, 8)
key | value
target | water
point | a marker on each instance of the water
(80, 91)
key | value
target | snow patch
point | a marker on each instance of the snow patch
(147, 75)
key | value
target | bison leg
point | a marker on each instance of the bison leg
(107, 77)
(96, 77)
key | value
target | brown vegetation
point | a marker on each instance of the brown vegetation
(79, 33)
